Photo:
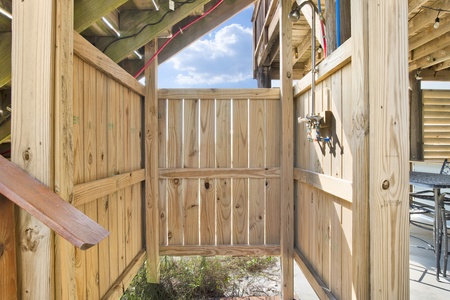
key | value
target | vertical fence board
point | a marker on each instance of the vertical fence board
(257, 141)
(8, 280)
(336, 249)
(162, 149)
(207, 160)
(191, 160)
(90, 172)
(102, 172)
(127, 212)
(174, 152)
(240, 159)
(336, 108)
(347, 123)
(223, 160)
(273, 154)
(78, 128)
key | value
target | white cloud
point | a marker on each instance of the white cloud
(224, 56)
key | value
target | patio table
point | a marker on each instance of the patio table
(436, 182)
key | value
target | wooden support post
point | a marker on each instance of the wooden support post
(380, 178)
(330, 8)
(287, 154)
(65, 282)
(360, 152)
(263, 77)
(33, 60)
(415, 119)
(8, 271)
(151, 164)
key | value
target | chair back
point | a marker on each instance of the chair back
(445, 167)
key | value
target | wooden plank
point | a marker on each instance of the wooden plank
(336, 266)
(207, 160)
(332, 185)
(162, 134)
(257, 199)
(389, 152)
(219, 94)
(223, 160)
(313, 278)
(65, 277)
(347, 252)
(88, 12)
(337, 60)
(32, 148)
(78, 127)
(122, 48)
(336, 104)
(90, 170)
(121, 284)
(273, 154)
(128, 216)
(347, 124)
(95, 57)
(360, 152)
(41, 202)
(8, 280)
(240, 159)
(287, 158)
(190, 189)
(151, 165)
(89, 191)
(242, 250)
(220, 173)
(5, 58)
(102, 172)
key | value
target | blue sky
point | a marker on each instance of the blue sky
(220, 59)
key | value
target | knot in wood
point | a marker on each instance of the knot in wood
(385, 185)
(176, 181)
(26, 155)
(2, 249)
(207, 185)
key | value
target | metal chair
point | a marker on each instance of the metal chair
(422, 202)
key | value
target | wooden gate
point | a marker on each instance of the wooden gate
(219, 169)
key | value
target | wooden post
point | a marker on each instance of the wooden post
(415, 119)
(33, 62)
(381, 168)
(65, 282)
(8, 271)
(287, 153)
(360, 152)
(330, 35)
(151, 164)
(263, 77)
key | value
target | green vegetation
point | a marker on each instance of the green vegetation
(185, 278)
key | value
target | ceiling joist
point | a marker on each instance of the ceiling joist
(5, 58)
(87, 12)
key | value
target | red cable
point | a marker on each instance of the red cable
(173, 36)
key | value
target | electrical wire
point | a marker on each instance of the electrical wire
(181, 30)
(147, 25)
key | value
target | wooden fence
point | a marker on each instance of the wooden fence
(323, 174)
(219, 160)
(108, 173)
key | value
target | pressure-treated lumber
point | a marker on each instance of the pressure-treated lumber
(244, 250)
(8, 278)
(5, 57)
(287, 155)
(360, 151)
(220, 173)
(226, 94)
(89, 191)
(88, 12)
(151, 165)
(120, 49)
(49, 208)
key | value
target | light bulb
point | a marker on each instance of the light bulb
(436, 23)
(294, 15)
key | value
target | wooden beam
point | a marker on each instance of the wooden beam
(414, 6)
(8, 270)
(388, 167)
(119, 50)
(46, 206)
(222, 13)
(32, 117)
(428, 35)
(146, 4)
(287, 155)
(151, 165)
(430, 47)
(220, 173)
(360, 151)
(432, 59)
(5, 57)
(247, 250)
(415, 117)
(65, 281)
(426, 18)
(227, 94)
(88, 12)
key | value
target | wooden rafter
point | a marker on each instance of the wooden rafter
(88, 12)
(427, 17)
(147, 4)
(120, 49)
(5, 58)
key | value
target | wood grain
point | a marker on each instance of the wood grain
(8, 280)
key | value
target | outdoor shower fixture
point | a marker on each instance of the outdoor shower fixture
(315, 123)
